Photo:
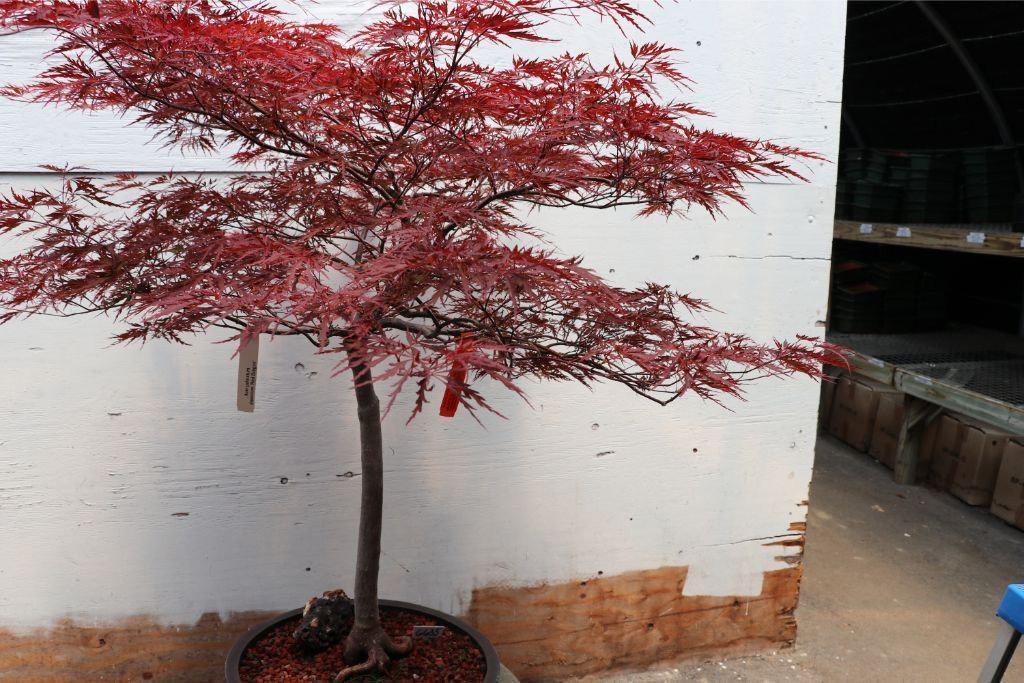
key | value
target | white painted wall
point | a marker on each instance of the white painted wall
(100, 446)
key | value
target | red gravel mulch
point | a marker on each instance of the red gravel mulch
(452, 657)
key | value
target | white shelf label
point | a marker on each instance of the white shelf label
(876, 362)
(976, 238)
(866, 228)
(902, 231)
(1022, 242)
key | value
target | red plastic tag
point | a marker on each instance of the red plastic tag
(456, 379)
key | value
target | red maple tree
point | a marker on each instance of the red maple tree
(385, 219)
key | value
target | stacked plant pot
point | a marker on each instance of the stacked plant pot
(989, 185)
(863, 192)
(929, 186)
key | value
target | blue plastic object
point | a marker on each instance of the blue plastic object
(1011, 609)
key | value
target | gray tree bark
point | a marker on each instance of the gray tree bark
(367, 647)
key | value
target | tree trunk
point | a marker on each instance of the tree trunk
(367, 647)
(367, 614)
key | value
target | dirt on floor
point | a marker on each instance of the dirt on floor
(900, 583)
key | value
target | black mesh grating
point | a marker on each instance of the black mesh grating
(1001, 380)
(988, 363)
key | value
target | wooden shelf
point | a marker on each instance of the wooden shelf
(974, 372)
(995, 240)
(950, 395)
(968, 370)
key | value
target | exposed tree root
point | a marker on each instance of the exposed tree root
(373, 650)
(377, 663)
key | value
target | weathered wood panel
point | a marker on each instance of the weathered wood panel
(135, 649)
(542, 632)
(604, 623)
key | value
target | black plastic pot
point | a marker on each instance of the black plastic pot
(490, 654)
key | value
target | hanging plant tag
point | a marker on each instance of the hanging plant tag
(429, 632)
(456, 379)
(247, 360)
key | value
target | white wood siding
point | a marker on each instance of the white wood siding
(102, 448)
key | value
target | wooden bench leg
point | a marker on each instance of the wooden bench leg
(999, 657)
(916, 416)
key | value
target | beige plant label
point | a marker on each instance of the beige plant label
(248, 358)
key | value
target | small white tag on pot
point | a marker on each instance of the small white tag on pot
(248, 357)
(902, 231)
(427, 631)
(976, 238)
(867, 228)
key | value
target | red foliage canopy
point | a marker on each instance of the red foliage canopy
(387, 215)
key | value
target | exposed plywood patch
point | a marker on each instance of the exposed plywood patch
(136, 649)
(543, 632)
(632, 620)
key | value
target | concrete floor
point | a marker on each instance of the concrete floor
(900, 584)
